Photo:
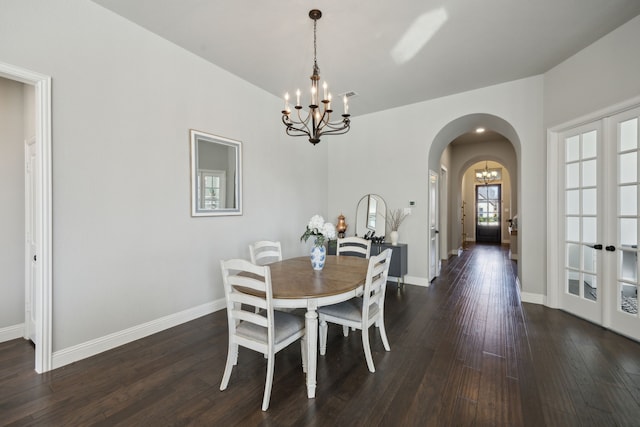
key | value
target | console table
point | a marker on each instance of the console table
(398, 267)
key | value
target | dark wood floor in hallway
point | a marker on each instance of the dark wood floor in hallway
(463, 352)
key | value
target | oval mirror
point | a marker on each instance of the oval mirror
(371, 214)
(216, 170)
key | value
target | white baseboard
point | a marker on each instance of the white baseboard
(12, 332)
(533, 298)
(418, 281)
(91, 348)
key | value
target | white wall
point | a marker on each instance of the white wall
(12, 204)
(389, 153)
(599, 76)
(126, 250)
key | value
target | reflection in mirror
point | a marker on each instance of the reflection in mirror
(371, 213)
(216, 171)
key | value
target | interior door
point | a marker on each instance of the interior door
(488, 213)
(434, 256)
(623, 292)
(31, 263)
(581, 292)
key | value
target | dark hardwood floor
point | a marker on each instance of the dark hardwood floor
(464, 351)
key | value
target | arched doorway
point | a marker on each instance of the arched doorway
(457, 147)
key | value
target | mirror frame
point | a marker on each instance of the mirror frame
(195, 137)
(365, 202)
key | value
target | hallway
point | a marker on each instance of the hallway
(463, 352)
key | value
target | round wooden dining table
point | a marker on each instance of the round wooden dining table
(295, 284)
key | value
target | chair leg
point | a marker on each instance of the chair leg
(323, 337)
(383, 335)
(367, 349)
(303, 353)
(345, 330)
(268, 382)
(232, 360)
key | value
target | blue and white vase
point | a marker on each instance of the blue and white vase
(318, 257)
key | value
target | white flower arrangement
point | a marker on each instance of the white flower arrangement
(320, 229)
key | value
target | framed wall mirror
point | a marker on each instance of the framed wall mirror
(371, 214)
(216, 173)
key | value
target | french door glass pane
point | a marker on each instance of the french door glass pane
(589, 146)
(629, 265)
(628, 298)
(590, 259)
(628, 198)
(573, 175)
(629, 134)
(589, 230)
(589, 173)
(572, 202)
(590, 287)
(573, 255)
(573, 282)
(629, 232)
(573, 229)
(589, 202)
(573, 148)
(628, 164)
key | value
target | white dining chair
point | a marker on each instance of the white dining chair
(361, 312)
(356, 246)
(265, 251)
(266, 331)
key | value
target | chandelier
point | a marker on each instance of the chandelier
(317, 120)
(486, 175)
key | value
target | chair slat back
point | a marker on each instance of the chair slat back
(353, 246)
(376, 282)
(239, 276)
(265, 251)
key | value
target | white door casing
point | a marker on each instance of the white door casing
(42, 211)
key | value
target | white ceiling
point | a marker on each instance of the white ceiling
(478, 43)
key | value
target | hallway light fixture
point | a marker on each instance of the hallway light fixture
(315, 123)
(486, 175)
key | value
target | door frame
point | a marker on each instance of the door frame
(475, 211)
(43, 209)
(443, 224)
(433, 214)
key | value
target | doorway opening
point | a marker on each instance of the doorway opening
(38, 261)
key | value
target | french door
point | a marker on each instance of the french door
(583, 222)
(601, 195)
(625, 190)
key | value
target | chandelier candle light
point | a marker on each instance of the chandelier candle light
(315, 123)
